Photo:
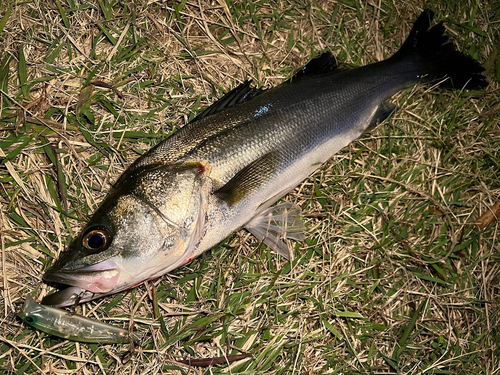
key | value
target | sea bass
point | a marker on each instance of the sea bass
(225, 169)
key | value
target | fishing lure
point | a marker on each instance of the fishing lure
(74, 327)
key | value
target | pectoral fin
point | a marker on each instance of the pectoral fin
(249, 179)
(277, 223)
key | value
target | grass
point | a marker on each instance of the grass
(393, 276)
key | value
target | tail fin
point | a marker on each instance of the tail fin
(436, 60)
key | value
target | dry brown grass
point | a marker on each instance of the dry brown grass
(391, 218)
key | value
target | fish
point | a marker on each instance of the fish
(61, 323)
(227, 168)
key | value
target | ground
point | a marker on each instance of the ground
(394, 275)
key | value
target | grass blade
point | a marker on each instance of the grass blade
(23, 75)
(62, 12)
(403, 341)
(5, 18)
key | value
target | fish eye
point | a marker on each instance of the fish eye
(96, 239)
(29, 319)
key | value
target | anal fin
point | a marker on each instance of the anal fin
(277, 223)
(384, 111)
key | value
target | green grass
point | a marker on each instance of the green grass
(393, 276)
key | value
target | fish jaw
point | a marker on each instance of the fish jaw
(98, 278)
(69, 296)
(88, 284)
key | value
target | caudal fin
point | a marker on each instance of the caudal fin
(436, 60)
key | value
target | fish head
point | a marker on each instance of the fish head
(150, 223)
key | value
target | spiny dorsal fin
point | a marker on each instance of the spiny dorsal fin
(277, 223)
(323, 64)
(239, 94)
(249, 179)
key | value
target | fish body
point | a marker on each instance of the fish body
(226, 169)
(63, 324)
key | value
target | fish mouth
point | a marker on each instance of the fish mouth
(72, 295)
(82, 284)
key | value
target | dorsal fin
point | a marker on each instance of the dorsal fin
(323, 64)
(239, 94)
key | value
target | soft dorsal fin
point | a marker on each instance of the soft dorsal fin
(324, 63)
(249, 179)
(239, 94)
